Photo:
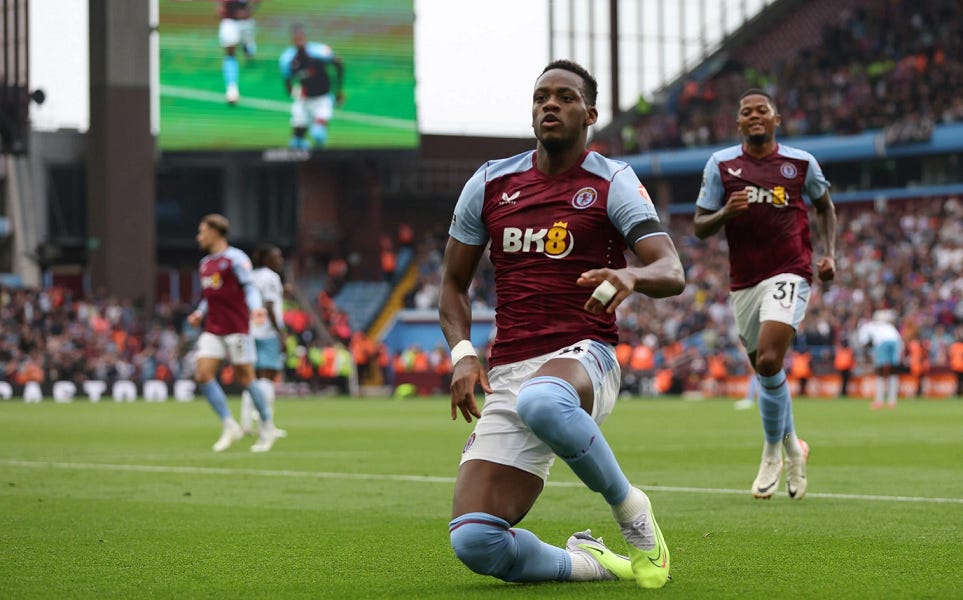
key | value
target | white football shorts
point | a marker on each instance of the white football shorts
(238, 348)
(501, 437)
(782, 298)
(887, 354)
(232, 32)
(305, 111)
(269, 354)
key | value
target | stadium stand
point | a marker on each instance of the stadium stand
(890, 71)
(906, 254)
(836, 67)
(361, 301)
(833, 67)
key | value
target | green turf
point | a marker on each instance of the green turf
(375, 40)
(127, 500)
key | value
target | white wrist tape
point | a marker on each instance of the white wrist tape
(604, 292)
(461, 350)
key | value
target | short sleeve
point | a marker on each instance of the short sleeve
(466, 223)
(711, 193)
(629, 203)
(816, 183)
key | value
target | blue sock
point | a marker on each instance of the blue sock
(216, 398)
(773, 403)
(319, 133)
(551, 408)
(229, 68)
(789, 426)
(260, 403)
(488, 545)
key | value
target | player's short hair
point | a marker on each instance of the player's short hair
(759, 92)
(590, 87)
(260, 253)
(218, 223)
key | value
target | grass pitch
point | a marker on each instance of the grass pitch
(128, 501)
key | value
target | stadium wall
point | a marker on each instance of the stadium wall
(935, 387)
(869, 145)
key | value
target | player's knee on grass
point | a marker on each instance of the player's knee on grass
(483, 543)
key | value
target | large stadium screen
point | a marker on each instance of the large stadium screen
(267, 78)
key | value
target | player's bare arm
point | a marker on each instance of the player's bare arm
(269, 309)
(454, 309)
(709, 222)
(661, 274)
(826, 225)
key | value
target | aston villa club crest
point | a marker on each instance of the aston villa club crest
(788, 170)
(584, 198)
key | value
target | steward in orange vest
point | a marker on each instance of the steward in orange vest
(843, 362)
(801, 369)
(956, 360)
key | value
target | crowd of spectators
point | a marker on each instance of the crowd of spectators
(906, 255)
(896, 66)
(429, 254)
(49, 335)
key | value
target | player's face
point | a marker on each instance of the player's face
(274, 260)
(560, 114)
(299, 39)
(757, 119)
(205, 237)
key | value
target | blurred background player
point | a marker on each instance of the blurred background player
(268, 333)
(757, 191)
(752, 394)
(230, 299)
(304, 66)
(887, 345)
(236, 28)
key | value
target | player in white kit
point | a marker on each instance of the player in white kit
(268, 332)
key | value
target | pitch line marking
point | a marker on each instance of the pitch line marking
(173, 91)
(37, 464)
